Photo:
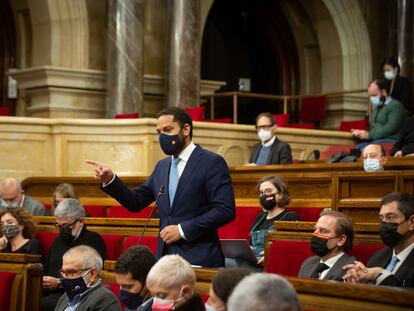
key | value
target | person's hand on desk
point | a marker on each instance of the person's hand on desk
(102, 172)
(398, 154)
(170, 234)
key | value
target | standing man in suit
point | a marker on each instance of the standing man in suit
(394, 264)
(198, 196)
(270, 150)
(332, 239)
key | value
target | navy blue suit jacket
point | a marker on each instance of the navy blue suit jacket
(203, 202)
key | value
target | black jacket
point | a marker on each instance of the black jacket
(279, 154)
(402, 92)
(406, 141)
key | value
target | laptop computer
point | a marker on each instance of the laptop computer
(237, 248)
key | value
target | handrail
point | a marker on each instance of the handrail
(285, 98)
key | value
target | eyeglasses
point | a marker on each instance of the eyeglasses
(264, 127)
(60, 226)
(71, 273)
(267, 191)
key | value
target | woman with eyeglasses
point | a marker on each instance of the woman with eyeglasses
(18, 230)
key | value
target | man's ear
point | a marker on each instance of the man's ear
(186, 292)
(341, 240)
(186, 129)
(411, 223)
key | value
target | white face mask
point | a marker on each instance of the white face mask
(264, 135)
(375, 100)
(372, 165)
(389, 74)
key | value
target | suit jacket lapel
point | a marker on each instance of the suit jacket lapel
(337, 267)
(402, 271)
(185, 176)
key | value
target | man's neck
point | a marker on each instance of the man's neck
(331, 254)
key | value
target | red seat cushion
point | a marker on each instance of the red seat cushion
(114, 245)
(48, 207)
(150, 241)
(307, 213)
(346, 126)
(312, 109)
(133, 115)
(196, 113)
(302, 125)
(95, 210)
(6, 286)
(4, 111)
(286, 257)
(363, 252)
(240, 227)
(122, 212)
(223, 120)
(282, 119)
(46, 239)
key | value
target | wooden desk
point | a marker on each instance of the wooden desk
(27, 287)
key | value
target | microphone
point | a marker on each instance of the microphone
(160, 192)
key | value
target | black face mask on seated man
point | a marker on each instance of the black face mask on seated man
(319, 245)
(389, 234)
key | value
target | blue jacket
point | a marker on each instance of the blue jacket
(203, 202)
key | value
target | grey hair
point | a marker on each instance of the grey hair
(266, 292)
(89, 257)
(70, 207)
(11, 181)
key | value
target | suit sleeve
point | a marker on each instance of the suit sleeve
(220, 198)
(285, 156)
(395, 118)
(132, 199)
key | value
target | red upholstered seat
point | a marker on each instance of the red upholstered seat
(46, 239)
(307, 213)
(4, 111)
(223, 120)
(114, 245)
(48, 207)
(282, 119)
(286, 257)
(240, 227)
(312, 109)
(122, 212)
(6, 286)
(363, 252)
(150, 241)
(95, 210)
(133, 115)
(196, 113)
(346, 126)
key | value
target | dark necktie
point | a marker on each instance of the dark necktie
(319, 269)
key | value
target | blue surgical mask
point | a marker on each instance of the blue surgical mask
(375, 100)
(130, 300)
(210, 308)
(171, 144)
(372, 165)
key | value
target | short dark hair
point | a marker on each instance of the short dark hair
(226, 280)
(138, 260)
(344, 226)
(267, 115)
(382, 85)
(280, 186)
(392, 61)
(179, 115)
(405, 202)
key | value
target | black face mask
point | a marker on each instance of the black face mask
(172, 144)
(268, 204)
(319, 245)
(130, 300)
(66, 234)
(74, 287)
(389, 234)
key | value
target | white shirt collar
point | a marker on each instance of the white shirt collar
(331, 261)
(387, 100)
(270, 142)
(404, 253)
(186, 153)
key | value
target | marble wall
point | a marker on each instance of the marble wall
(58, 147)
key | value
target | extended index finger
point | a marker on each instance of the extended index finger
(93, 162)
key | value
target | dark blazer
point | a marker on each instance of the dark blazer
(335, 273)
(404, 276)
(279, 154)
(203, 202)
(402, 92)
(99, 298)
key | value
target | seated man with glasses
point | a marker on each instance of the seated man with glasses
(72, 232)
(80, 279)
(13, 196)
(270, 150)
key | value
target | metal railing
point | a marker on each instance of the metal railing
(285, 99)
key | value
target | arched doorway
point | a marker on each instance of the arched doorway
(250, 39)
(7, 51)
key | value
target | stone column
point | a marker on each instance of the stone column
(404, 36)
(125, 69)
(184, 53)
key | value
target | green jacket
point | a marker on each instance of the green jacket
(386, 120)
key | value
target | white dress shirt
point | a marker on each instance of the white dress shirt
(330, 263)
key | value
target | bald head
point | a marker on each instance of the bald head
(11, 191)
